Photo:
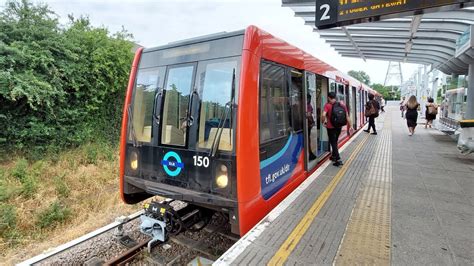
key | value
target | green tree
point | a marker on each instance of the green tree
(60, 85)
(387, 92)
(360, 76)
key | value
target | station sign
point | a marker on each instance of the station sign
(337, 13)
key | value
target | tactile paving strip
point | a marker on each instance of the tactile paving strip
(367, 237)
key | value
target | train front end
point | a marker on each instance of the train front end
(179, 123)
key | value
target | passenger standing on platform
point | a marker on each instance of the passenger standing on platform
(411, 115)
(372, 111)
(334, 117)
(402, 106)
(431, 112)
(382, 104)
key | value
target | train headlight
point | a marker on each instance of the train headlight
(133, 160)
(222, 179)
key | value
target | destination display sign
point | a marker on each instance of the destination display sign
(336, 13)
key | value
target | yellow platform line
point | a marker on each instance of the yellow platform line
(294, 238)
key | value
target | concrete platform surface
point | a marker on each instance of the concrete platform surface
(399, 200)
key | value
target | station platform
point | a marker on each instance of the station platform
(398, 199)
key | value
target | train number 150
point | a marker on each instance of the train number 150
(201, 161)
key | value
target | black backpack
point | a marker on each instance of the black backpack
(338, 115)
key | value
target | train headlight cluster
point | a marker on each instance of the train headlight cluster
(133, 160)
(222, 179)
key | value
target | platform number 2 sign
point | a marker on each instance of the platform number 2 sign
(326, 12)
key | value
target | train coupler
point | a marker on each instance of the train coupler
(154, 222)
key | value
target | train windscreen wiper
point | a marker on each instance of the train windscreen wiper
(229, 106)
(132, 128)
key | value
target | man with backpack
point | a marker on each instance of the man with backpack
(334, 117)
(372, 111)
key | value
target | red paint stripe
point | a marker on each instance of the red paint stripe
(128, 99)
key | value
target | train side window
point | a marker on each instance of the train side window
(274, 103)
(144, 94)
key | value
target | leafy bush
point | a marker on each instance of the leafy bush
(54, 214)
(60, 85)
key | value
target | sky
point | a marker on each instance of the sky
(158, 22)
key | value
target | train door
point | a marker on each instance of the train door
(361, 107)
(348, 102)
(363, 102)
(354, 107)
(323, 87)
(311, 126)
(281, 126)
(316, 139)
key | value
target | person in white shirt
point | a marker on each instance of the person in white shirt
(402, 106)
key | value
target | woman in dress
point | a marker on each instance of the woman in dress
(411, 114)
(431, 112)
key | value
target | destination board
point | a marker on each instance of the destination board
(334, 13)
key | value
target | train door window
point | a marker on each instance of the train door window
(311, 119)
(214, 81)
(332, 86)
(340, 93)
(322, 89)
(175, 107)
(296, 98)
(148, 81)
(274, 103)
(348, 97)
(354, 107)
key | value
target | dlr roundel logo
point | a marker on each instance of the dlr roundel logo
(172, 163)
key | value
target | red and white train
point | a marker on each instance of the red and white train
(220, 122)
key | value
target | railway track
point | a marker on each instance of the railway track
(121, 243)
(208, 244)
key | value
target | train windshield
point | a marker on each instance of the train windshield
(185, 96)
(216, 83)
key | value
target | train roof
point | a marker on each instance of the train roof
(268, 46)
(199, 39)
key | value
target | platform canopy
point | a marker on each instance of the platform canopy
(429, 39)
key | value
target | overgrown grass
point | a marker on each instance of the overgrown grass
(20, 170)
(7, 218)
(51, 197)
(61, 186)
(54, 214)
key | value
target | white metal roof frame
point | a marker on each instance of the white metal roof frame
(428, 39)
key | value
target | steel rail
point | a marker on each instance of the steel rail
(79, 240)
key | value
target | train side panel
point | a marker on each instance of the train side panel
(252, 204)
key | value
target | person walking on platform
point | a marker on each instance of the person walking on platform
(334, 117)
(411, 115)
(402, 106)
(382, 104)
(431, 112)
(372, 111)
